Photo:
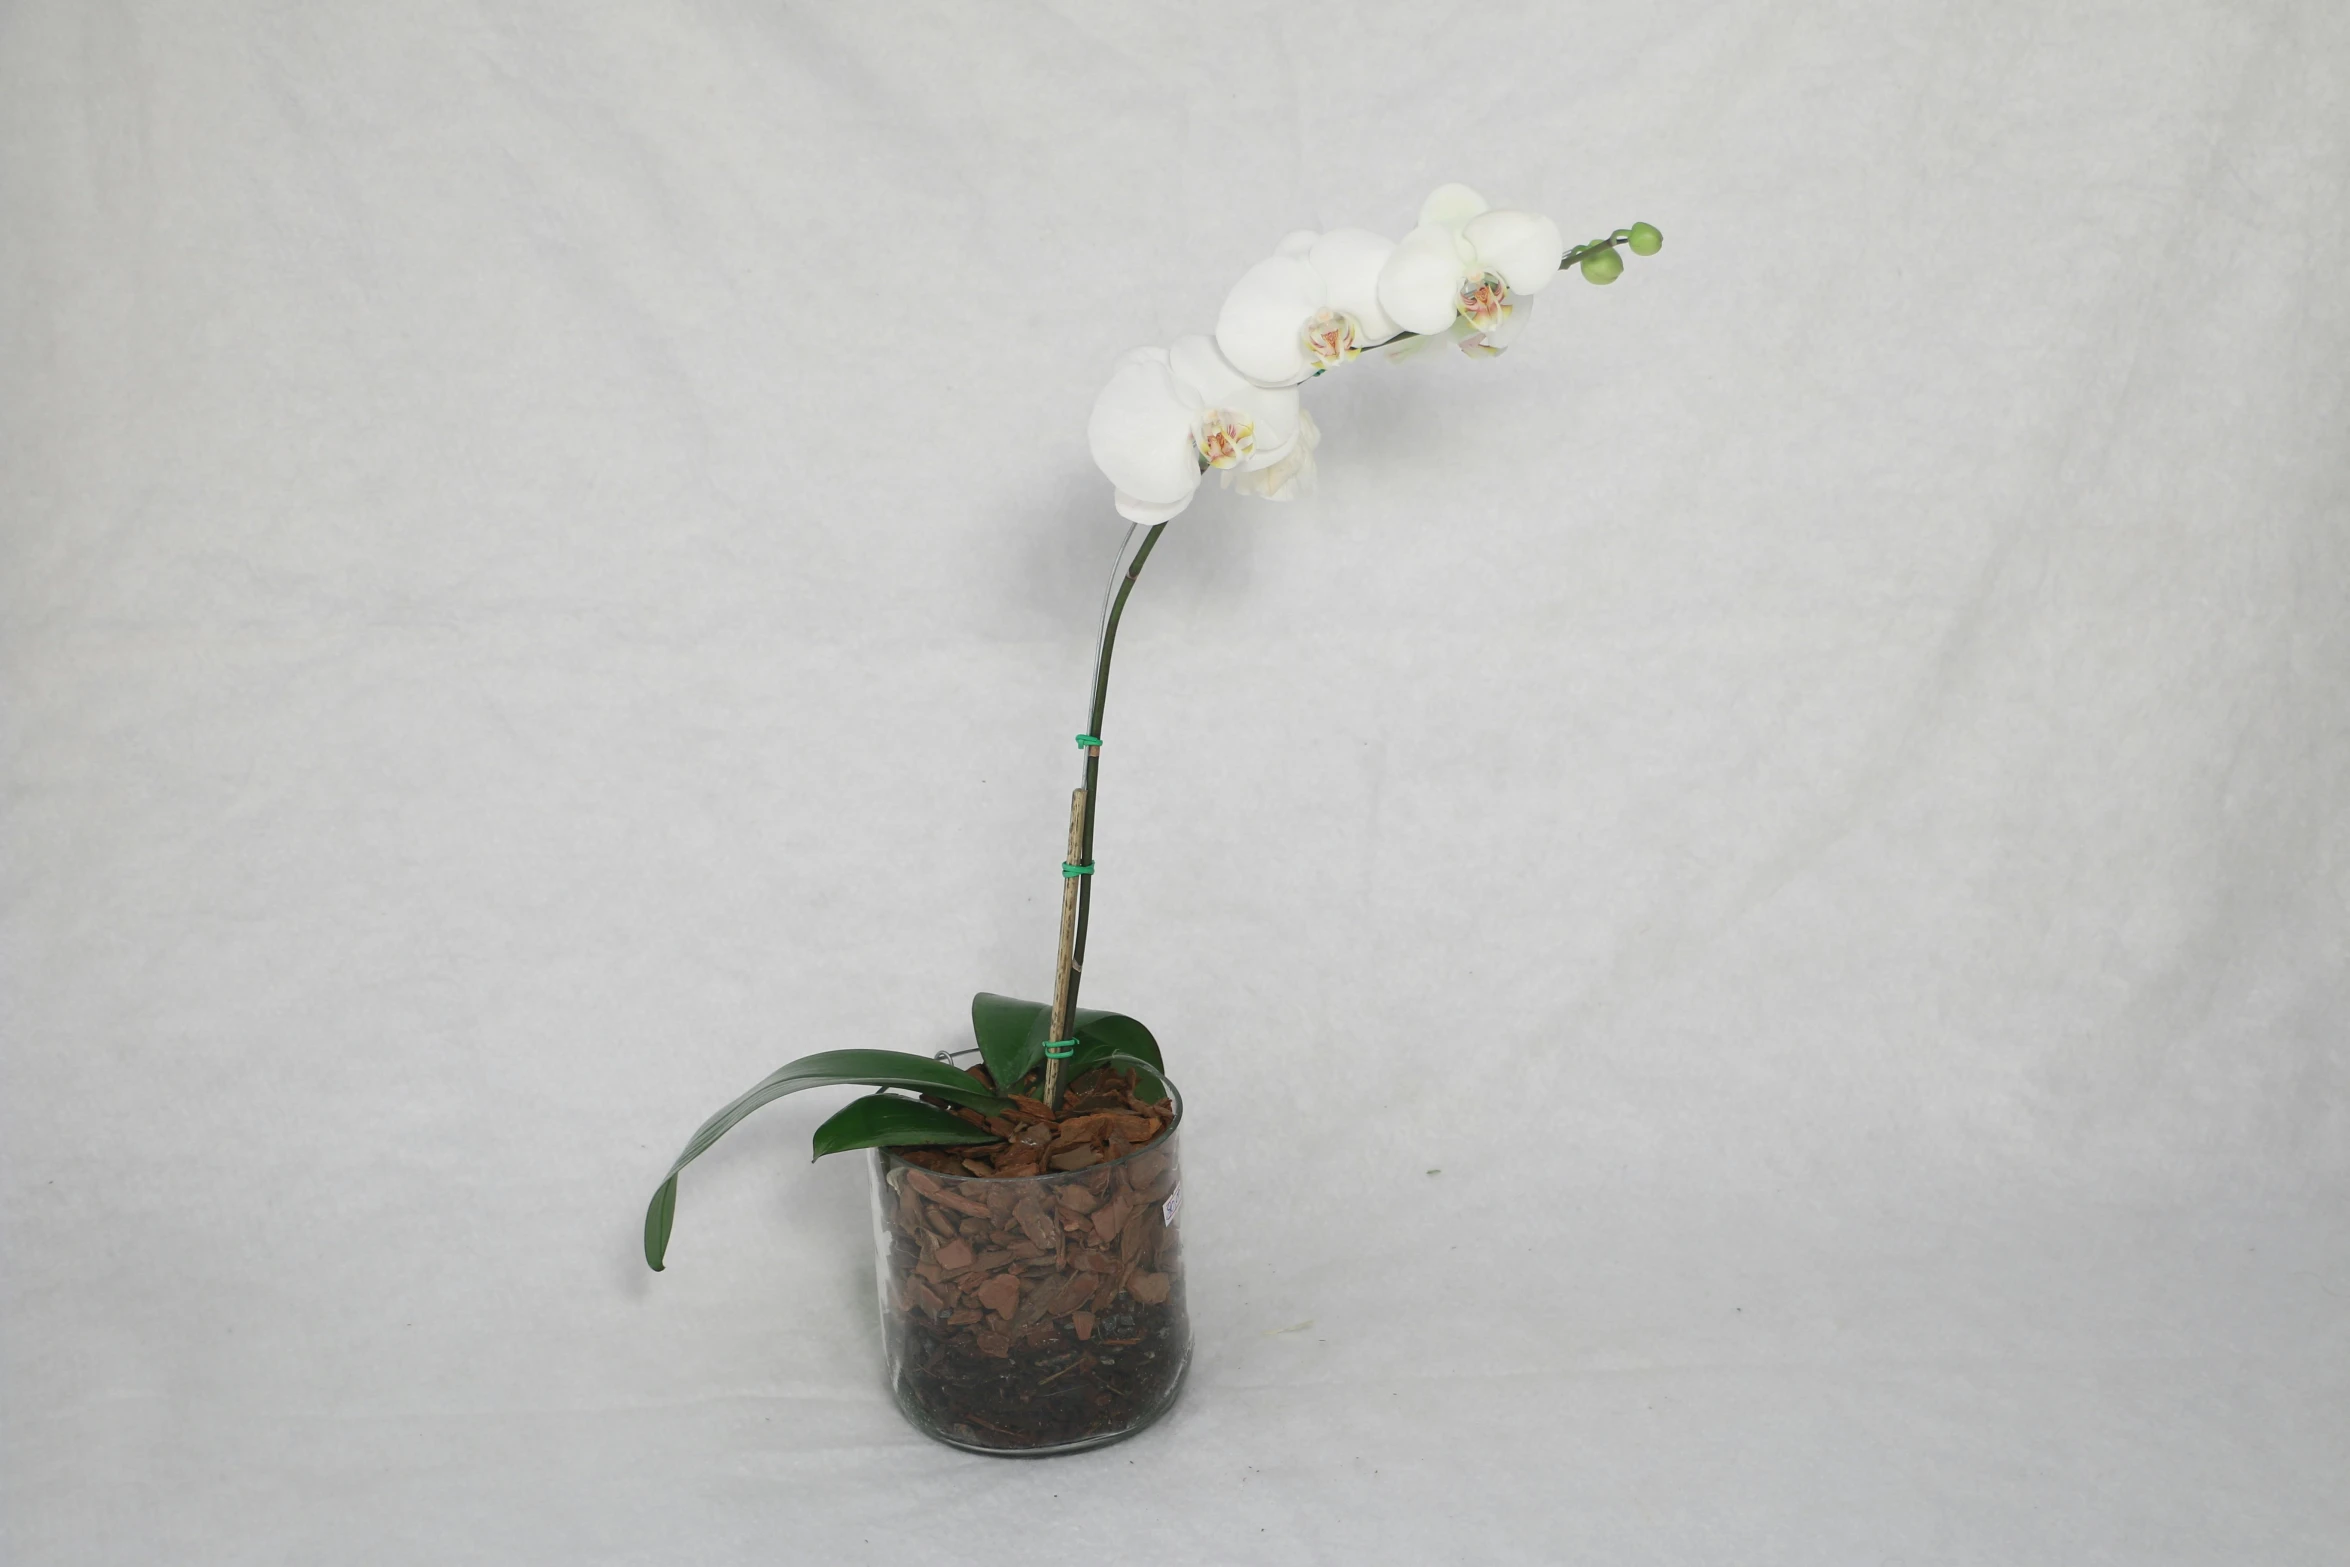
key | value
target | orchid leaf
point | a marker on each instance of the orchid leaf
(825, 1069)
(1011, 1035)
(1109, 1037)
(1156, 1089)
(886, 1120)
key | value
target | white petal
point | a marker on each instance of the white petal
(1408, 348)
(1194, 362)
(1349, 261)
(1140, 432)
(1504, 333)
(1200, 367)
(1295, 243)
(1514, 325)
(1148, 512)
(1524, 247)
(1258, 327)
(1150, 356)
(1268, 456)
(1292, 478)
(1420, 285)
(1452, 205)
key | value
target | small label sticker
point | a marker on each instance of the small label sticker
(1174, 1204)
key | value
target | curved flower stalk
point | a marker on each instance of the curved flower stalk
(1466, 273)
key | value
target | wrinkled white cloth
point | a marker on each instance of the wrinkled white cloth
(547, 566)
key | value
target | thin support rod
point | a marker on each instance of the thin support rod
(1065, 971)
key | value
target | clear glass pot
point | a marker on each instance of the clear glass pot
(1033, 1315)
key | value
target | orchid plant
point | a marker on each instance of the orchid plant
(1226, 402)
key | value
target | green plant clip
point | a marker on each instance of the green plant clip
(1060, 1049)
(1068, 870)
(1089, 741)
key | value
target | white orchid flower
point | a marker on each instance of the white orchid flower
(1170, 414)
(1310, 306)
(1472, 263)
(1292, 478)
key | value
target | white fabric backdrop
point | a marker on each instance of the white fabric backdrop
(549, 563)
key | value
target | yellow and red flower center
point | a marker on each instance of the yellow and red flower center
(1225, 439)
(1485, 300)
(1331, 338)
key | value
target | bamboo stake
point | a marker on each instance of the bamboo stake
(1065, 974)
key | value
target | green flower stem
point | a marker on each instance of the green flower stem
(1574, 258)
(1093, 763)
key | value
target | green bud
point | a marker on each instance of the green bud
(1603, 266)
(1645, 240)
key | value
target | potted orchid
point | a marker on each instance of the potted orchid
(1025, 1203)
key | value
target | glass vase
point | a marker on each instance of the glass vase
(1033, 1315)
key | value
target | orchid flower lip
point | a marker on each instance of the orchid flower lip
(1330, 338)
(1225, 439)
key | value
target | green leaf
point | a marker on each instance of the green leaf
(1101, 1035)
(825, 1069)
(886, 1120)
(1011, 1035)
(1141, 1069)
